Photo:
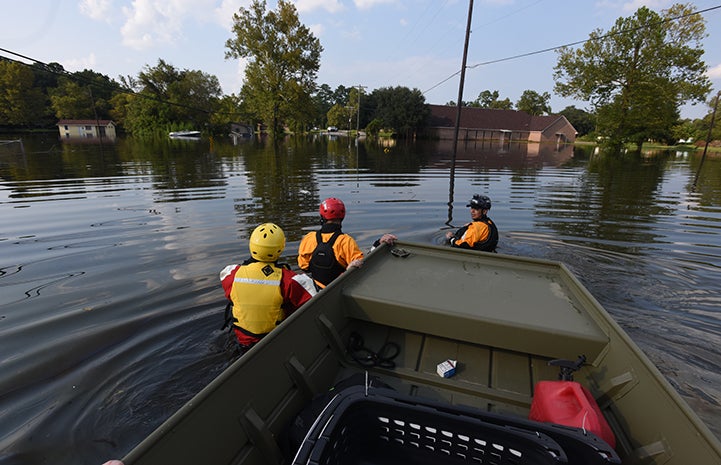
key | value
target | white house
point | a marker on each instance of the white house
(86, 129)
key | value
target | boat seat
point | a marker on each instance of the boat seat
(525, 307)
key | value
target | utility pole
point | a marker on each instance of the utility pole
(459, 104)
(357, 123)
(708, 141)
(710, 128)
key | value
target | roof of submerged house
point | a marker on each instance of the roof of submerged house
(85, 122)
(491, 119)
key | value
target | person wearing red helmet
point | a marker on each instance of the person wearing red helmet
(327, 253)
(481, 233)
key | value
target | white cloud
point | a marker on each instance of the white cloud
(317, 29)
(367, 4)
(714, 72)
(96, 9)
(80, 64)
(224, 13)
(630, 6)
(331, 6)
(352, 33)
(148, 25)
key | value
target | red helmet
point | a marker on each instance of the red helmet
(332, 209)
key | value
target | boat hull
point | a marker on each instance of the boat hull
(502, 318)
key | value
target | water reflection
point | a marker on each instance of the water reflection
(108, 280)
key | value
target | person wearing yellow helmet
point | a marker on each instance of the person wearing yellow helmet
(262, 293)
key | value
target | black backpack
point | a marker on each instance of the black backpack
(323, 265)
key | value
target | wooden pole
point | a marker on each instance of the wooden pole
(708, 140)
(710, 127)
(459, 105)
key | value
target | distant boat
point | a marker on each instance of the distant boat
(184, 135)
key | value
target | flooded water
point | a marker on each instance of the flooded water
(110, 305)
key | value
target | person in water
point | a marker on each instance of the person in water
(479, 234)
(328, 252)
(261, 292)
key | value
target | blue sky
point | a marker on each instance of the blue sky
(370, 43)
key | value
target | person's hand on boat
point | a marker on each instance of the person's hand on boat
(388, 238)
(355, 264)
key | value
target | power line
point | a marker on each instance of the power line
(570, 44)
(49, 69)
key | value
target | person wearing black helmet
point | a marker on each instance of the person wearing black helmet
(481, 233)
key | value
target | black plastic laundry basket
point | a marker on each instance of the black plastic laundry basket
(380, 427)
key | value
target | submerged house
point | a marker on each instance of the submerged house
(498, 125)
(86, 129)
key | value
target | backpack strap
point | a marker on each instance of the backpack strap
(331, 241)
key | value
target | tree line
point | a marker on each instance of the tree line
(634, 77)
(162, 98)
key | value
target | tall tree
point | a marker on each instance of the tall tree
(400, 108)
(70, 100)
(322, 101)
(168, 98)
(488, 99)
(21, 103)
(639, 73)
(283, 60)
(583, 121)
(534, 103)
(338, 116)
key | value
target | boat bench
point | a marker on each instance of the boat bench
(523, 309)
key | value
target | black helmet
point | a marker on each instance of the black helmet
(480, 202)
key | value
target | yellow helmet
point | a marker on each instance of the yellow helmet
(267, 242)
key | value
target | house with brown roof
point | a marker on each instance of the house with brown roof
(499, 125)
(86, 129)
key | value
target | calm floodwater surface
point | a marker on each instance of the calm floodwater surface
(110, 306)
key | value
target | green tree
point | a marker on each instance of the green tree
(638, 74)
(582, 121)
(400, 108)
(101, 89)
(488, 99)
(47, 74)
(69, 100)
(167, 98)
(534, 103)
(283, 60)
(341, 94)
(374, 127)
(230, 110)
(686, 131)
(338, 116)
(322, 102)
(21, 103)
(702, 125)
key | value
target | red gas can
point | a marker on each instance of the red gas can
(568, 403)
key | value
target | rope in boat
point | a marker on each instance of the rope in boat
(368, 358)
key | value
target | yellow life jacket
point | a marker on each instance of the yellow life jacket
(256, 298)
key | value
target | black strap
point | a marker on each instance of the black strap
(331, 241)
(367, 358)
(229, 318)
